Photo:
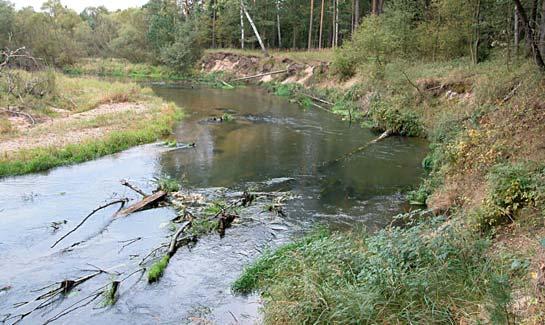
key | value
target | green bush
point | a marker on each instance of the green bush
(418, 275)
(386, 115)
(512, 187)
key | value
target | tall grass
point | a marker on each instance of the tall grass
(418, 275)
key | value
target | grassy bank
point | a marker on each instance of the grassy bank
(482, 259)
(122, 68)
(80, 119)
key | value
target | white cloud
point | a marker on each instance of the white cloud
(79, 5)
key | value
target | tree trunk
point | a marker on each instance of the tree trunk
(357, 14)
(336, 23)
(255, 31)
(241, 26)
(310, 24)
(321, 25)
(477, 34)
(278, 23)
(516, 31)
(333, 24)
(535, 49)
(213, 24)
(542, 30)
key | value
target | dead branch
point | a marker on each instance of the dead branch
(261, 75)
(346, 156)
(128, 242)
(145, 203)
(318, 99)
(511, 93)
(411, 83)
(126, 183)
(173, 247)
(19, 113)
(120, 201)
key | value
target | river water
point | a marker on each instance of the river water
(270, 144)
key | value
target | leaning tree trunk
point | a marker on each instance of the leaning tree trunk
(533, 44)
(255, 31)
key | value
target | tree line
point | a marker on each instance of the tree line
(174, 32)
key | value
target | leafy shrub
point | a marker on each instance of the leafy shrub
(386, 115)
(512, 187)
(418, 275)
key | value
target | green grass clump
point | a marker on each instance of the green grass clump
(418, 275)
(41, 159)
(157, 269)
(167, 184)
(203, 226)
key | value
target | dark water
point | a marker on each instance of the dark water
(268, 141)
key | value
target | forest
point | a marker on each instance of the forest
(290, 162)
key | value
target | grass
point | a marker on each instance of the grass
(167, 184)
(122, 68)
(159, 124)
(157, 269)
(396, 276)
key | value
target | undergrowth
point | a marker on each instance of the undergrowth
(417, 275)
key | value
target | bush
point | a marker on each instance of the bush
(418, 275)
(386, 115)
(512, 187)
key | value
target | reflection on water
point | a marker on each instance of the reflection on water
(271, 144)
(271, 138)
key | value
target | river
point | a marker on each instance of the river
(271, 143)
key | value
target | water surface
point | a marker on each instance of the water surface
(271, 144)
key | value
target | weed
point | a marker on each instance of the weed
(226, 117)
(157, 269)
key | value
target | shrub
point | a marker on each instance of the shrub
(386, 115)
(512, 187)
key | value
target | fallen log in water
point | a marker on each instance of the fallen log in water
(261, 75)
(143, 204)
(357, 150)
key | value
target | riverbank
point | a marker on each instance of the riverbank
(80, 119)
(485, 184)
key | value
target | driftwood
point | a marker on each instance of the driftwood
(173, 247)
(143, 204)
(120, 201)
(261, 75)
(318, 99)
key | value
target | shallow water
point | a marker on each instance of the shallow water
(271, 144)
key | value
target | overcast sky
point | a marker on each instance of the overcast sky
(79, 5)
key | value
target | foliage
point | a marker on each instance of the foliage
(167, 184)
(512, 187)
(412, 275)
(388, 115)
(157, 269)
(182, 54)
